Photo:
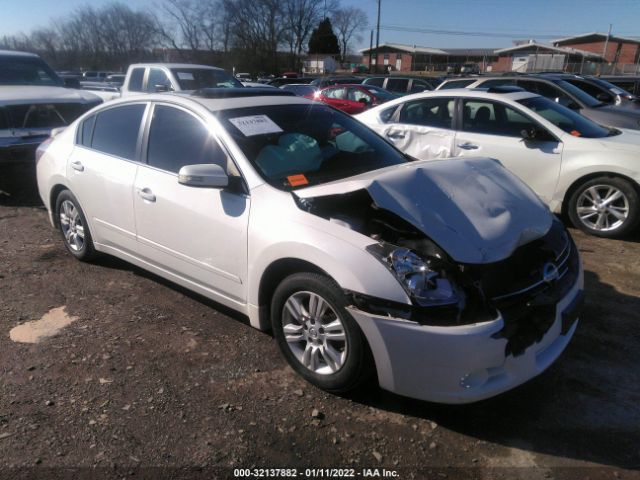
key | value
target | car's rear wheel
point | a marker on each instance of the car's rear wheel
(73, 227)
(605, 207)
(317, 336)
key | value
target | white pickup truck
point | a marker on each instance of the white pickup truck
(174, 77)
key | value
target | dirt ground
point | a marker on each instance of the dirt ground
(150, 381)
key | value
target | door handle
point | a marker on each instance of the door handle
(147, 194)
(77, 166)
(468, 146)
(395, 136)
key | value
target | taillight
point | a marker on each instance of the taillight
(42, 147)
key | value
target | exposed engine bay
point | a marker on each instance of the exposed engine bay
(473, 293)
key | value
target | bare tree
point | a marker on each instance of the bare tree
(257, 31)
(347, 23)
(299, 18)
(184, 15)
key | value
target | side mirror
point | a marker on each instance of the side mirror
(533, 133)
(203, 175)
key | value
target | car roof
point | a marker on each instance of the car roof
(174, 65)
(215, 104)
(467, 92)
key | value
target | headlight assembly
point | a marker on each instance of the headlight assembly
(425, 280)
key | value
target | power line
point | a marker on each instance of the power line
(435, 31)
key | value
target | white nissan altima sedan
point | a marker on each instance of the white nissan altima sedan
(445, 281)
(576, 166)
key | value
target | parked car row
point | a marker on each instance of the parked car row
(358, 241)
(566, 90)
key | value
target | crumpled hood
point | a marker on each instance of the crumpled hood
(474, 208)
(23, 94)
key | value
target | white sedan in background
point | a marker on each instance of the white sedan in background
(576, 166)
(449, 281)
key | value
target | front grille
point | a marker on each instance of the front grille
(527, 287)
(524, 267)
(45, 115)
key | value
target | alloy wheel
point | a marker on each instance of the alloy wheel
(314, 333)
(603, 208)
(71, 224)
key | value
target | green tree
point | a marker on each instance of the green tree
(323, 40)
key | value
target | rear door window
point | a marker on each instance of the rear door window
(357, 95)
(116, 131)
(399, 85)
(135, 80)
(336, 93)
(493, 118)
(387, 114)
(430, 112)
(87, 131)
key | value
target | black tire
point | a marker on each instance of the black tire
(86, 252)
(629, 201)
(358, 366)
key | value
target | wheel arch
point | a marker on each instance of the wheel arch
(56, 190)
(590, 176)
(272, 276)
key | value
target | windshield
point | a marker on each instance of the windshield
(613, 88)
(197, 78)
(16, 70)
(565, 118)
(295, 146)
(380, 92)
(581, 95)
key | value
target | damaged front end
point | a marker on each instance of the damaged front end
(523, 288)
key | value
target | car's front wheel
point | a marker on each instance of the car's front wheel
(605, 207)
(317, 336)
(73, 227)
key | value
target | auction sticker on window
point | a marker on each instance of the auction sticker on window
(255, 125)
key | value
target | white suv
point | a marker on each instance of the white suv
(450, 281)
(576, 166)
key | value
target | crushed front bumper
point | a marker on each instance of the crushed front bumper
(462, 364)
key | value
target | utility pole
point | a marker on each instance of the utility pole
(370, 50)
(606, 44)
(378, 36)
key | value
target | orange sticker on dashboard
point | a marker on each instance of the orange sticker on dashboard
(576, 133)
(297, 180)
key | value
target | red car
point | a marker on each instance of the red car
(353, 99)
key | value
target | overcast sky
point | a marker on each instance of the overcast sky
(460, 23)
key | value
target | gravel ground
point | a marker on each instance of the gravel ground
(151, 381)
